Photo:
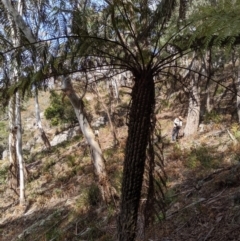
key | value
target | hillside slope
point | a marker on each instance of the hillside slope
(202, 195)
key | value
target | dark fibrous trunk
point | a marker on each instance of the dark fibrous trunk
(141, 110)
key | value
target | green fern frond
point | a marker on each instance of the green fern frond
(218, 24)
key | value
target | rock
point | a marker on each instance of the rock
(27, 147)
(222, 148)
(30, 123)
(59, 139)
(201, 128)
(5, 154)
(42, 115)
(100, 121)
(64, 136)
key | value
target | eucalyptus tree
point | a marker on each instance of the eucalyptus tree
(5, 70)
(98, 160)
(14, 110)
(9, 104)
(196, 69)
(206, 33)
(32, 11)
(38, 119)
(216, 25)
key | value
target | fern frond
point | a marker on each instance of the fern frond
(218, 24)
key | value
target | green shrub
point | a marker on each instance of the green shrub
(48, 164)
(3, 173)
(70, 161)
(235, 129)
(212, 116)
(170, 196)
(94, 195)
(176, 153)
(4, 133)
(200, 156)
(60, 111)
(54, 234)
(220, 90)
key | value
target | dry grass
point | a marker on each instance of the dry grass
(202, 193)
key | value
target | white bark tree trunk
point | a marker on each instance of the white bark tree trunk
(17, 129)
(193, 116)
(96, 152)
(115, 84)
(39, 122)
(208, 70)
(22, 198)
(13, 177)
(209, 100)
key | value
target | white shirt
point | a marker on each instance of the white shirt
(177, 122)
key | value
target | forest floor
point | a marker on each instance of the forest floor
(202, 192)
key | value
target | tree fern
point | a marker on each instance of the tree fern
(216, 24)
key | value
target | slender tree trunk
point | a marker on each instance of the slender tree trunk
(209, 100)
(96, 152)
(115, 85)
(142, 107)
(13, 176)
(238, 92)
(236, 71)
(15, 136)
(39, 123)
(193, 116)
(112, 127)
(19, 149)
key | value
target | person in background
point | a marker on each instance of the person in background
(176, 128)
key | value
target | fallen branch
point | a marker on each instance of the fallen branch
(232, 137)
(208, 234)
(188, 206)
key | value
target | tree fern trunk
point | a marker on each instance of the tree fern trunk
(142, 107)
